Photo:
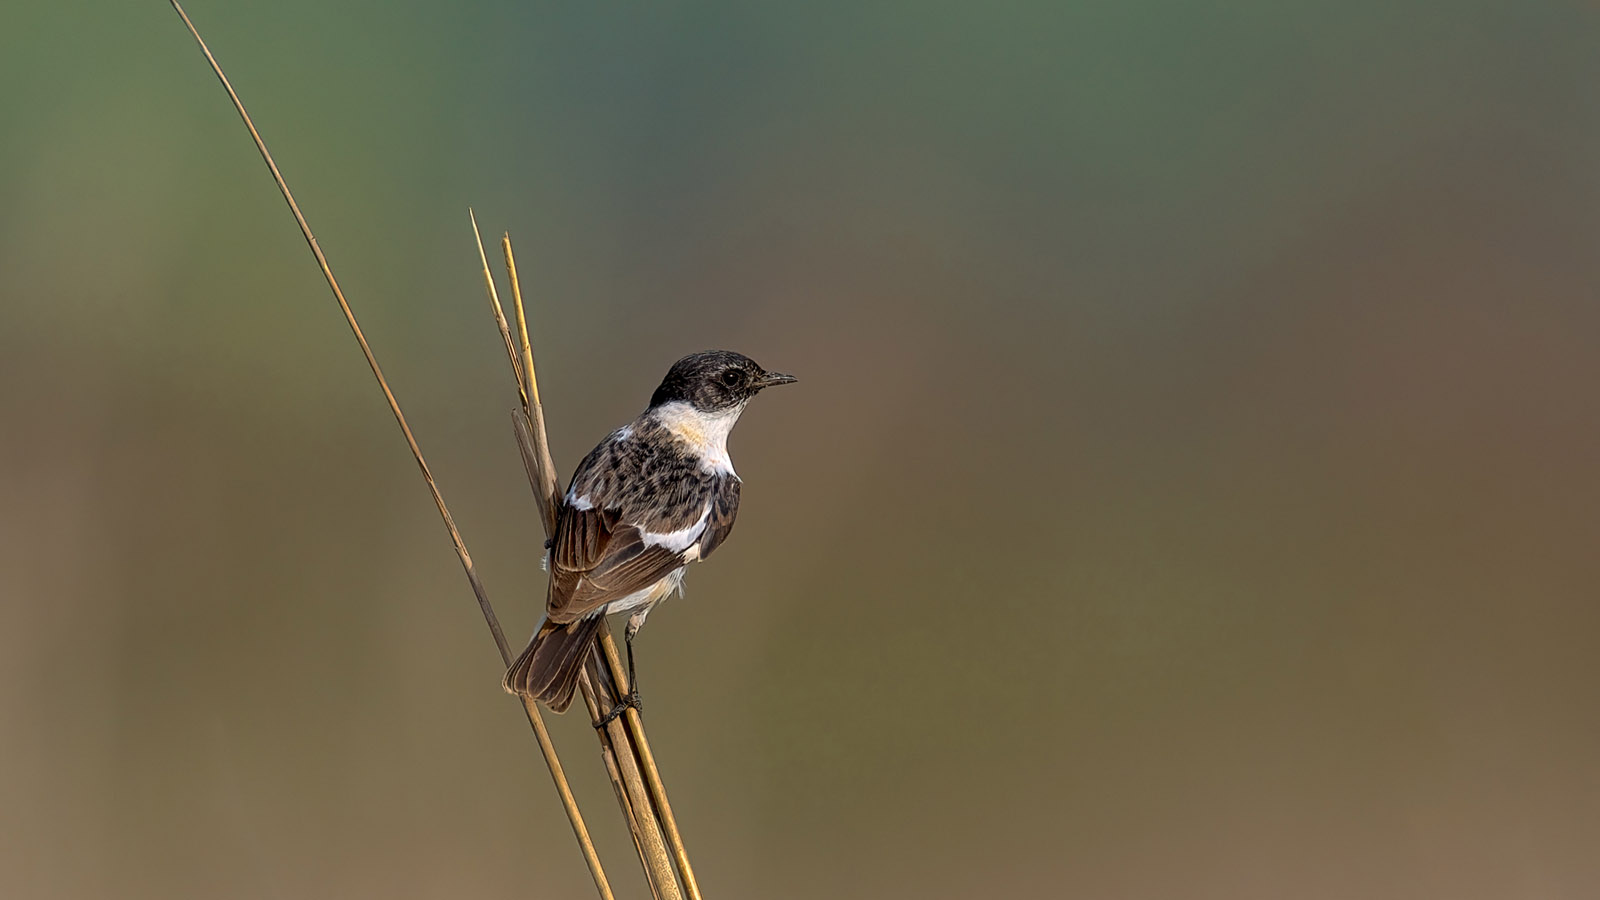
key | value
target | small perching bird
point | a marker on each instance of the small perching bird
(654, 496)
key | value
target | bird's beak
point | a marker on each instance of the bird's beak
(771, 379)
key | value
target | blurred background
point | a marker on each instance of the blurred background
(1191, 490)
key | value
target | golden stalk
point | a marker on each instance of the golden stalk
(623, 747)
(646, 838)
(647, 762)
(552, 761)
(609, 757)
(546, 491)
(499, 313)
(659, 863)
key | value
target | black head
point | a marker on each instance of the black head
(715, 380)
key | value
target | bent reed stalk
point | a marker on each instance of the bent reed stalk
(535, 718)
(625, 748)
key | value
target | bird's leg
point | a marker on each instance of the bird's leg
(633, 681)
(632, 699)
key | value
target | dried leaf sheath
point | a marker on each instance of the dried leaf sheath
(535, 449)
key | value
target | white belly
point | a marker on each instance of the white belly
(641, 601)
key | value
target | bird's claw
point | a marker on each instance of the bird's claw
(632, 700)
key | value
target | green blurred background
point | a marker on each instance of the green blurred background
(1191, 490)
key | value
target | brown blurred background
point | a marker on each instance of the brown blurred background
(1191, 490)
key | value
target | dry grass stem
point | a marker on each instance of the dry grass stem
(647, 763)
(623, 746)
(657, 862)
(655, 876)
(546, 491)
(575, 817)
(534, 443)
(499, 313)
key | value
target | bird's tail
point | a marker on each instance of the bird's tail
(548, 669)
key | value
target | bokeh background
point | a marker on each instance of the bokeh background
(1191, 490)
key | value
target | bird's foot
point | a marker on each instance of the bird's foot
(632, 700)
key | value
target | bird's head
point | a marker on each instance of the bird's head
(715, 381)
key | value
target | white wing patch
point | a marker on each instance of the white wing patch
(579, 503)
(680, 540)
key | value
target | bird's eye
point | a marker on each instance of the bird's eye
(731, 378)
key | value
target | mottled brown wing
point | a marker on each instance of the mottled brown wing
(596, 560)
(724, 507)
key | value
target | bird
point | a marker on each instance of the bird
(654, 496)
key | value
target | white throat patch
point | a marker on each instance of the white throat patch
(705, 433)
